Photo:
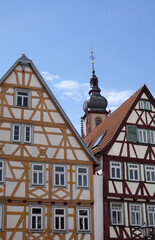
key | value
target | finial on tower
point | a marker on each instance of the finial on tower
(92, 58)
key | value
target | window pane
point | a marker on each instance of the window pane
(19, 101)
(131, 174)
(85, 181)
(86, 223)
(62, 179)
(113, 172)
(33, 222)
(57, 223)
(36, 211)
(39, 222)
(1, 164)
(59, 211)
(83, 212)
(25, 102)
(23, 93)
(56, 179)
(59, 169)
(82, 170)
(1, 176)
(34, 177)
(118, 173)
(62, 223)
(81, 223)
(37, 167)
(40, 178)
(80, 180)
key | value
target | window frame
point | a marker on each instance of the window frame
(122, 214)
(16, 96)
(143, 105)
(22, 133)
(53, 219)
(88, 218)
(146, 178)
(1, 217)
(3, 171)
(110, 170)
(87, 175)
(138, 169)
(59, 173)
(133, 135)
(42, 215)
(32, 171)
(134, 211)
(153, 218)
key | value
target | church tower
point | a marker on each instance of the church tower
(95, 105)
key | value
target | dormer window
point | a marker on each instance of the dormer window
(22, 98)
(145, 105)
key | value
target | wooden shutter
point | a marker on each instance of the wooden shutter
(131, 133)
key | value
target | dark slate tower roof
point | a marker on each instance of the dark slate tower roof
(95, 102)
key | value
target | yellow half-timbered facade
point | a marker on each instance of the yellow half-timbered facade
(46, 171)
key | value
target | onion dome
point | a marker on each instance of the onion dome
(95, 102)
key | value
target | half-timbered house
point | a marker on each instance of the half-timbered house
(125, 145)
(46, 170)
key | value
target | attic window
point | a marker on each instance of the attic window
(144, 105)
(98, 140)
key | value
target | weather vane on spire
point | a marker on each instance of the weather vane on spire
(92, 58)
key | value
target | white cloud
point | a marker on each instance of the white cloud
(50, 77)
(73, 89)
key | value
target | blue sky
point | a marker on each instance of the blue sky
(57, 36)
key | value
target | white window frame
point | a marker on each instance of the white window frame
(22, 133)
(37, 172)
(149, 173)
(1, 217)
(135, 170)
(135, 213)
(59, 174)
(144, 105)
(83, 219)
(117, 166)
(59, 217)
(117, 213)
(2, 170)
(84, 177)
(151, 215)
(42, 216)
(143, 135)
(17, 90)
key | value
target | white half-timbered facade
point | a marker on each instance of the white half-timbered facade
(46, 171)
(125, 145)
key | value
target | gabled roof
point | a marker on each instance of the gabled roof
(111, 125)
(23, 60)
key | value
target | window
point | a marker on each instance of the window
(152, 137)
(150, 173)
(36, 218)
(22, 133)
(115, 170)
(144, 105)
(59, 223)
(2, 171)
(22, 98)
(151, 215)
(1, 217)
(38, 174)
(59, 175)
(140, 135)
(117, 216)
(98, 121)
(135, 211)
(82, 176)
(83, 220)
(133, 172)
(143, 135)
